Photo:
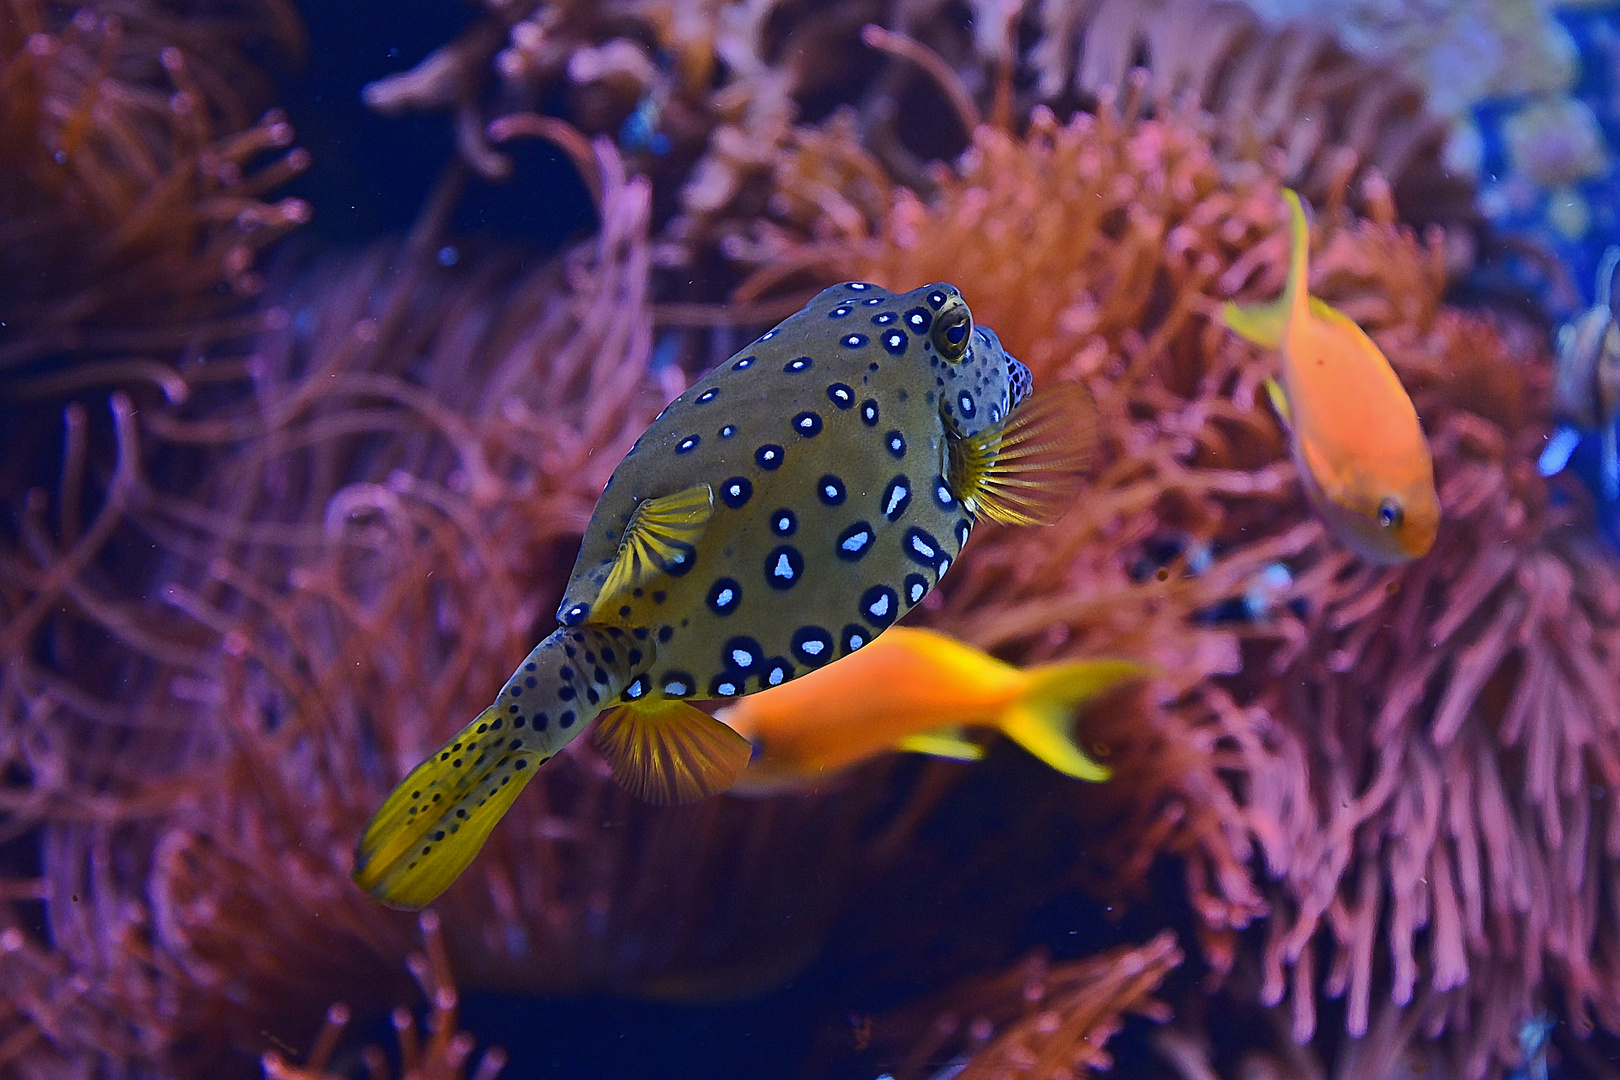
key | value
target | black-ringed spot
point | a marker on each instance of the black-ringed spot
(574, 615)
(724, 686)
(884, 318)
(880, 606)
(745, 363)
(916, 588)
(830, 490)
(896, 497)
(807, 424)
(922, 548)
(708, 395)
(853, 341)
(687, 445)
(637, 689)
(724, 596)
(894, 342)
(678, 684)
(965, 402)
(777, 671)
(680, 561)
(812, 645)
(736, 492)
(768, 457)
(857, 286)
(918, 319)
(936, 299)
(793, 367)
(896, 443)
(854, 541)
(942, 494)
(869, 412)
(854, 637)
(783, 566)
(841, 395)
(728, 431)
(840, 311)
(963, 527)
(742, 654)
(784, 522)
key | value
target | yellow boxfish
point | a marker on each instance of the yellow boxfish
(780, 514)
(1355, 435)
(915, 690)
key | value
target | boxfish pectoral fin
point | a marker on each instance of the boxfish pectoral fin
(666, 751)
(427, 831)
(1029, 469)
(945, 743)
(1041, 719)
(661, 534)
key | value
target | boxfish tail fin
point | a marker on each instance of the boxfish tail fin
(1029, 469)
(666, 751)
(433, 824)
(1041, 718)
(427, 831)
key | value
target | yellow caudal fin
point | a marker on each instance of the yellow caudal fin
(662, 533)
(945, 743)
(666, 751)
(429, 829)
(1041, 719)
(1029, 469)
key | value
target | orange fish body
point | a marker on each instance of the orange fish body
(1355, 436)
(913, 690)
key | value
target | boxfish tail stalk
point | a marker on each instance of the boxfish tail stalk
(436, 820)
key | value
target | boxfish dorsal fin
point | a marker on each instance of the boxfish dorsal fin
(666, 751)
(662, 533)
(1028, 470)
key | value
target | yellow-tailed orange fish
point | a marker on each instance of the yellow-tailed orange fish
(780, 514)
(1361, 453)
(916, 690)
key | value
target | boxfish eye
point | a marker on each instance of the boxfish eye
(1390, 514)
(951, 331)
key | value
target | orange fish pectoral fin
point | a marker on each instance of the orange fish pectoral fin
(427, 831)
(666, 751)
(1262, 324)
(661, 533)
(1042, 718)
(1029, 469)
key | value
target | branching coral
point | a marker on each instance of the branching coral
(442, 1055)
(133, 177)
(1423, 757)
(781, 122)
(1037, 1018)
(390, 500)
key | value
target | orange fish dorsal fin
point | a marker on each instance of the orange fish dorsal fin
(661, 532)
(1296, 293)
(1029, 469)
(667, 752)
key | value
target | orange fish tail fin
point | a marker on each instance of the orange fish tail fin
(1297, 293)
(1041, 719)
(427, 831)
(666, 751)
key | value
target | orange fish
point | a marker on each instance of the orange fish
(1361, 454)
(916, 690)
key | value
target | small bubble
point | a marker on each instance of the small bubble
(449, 256)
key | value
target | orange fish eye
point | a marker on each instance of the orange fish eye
(1390, 514)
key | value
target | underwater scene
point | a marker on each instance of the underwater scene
(809, 540)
